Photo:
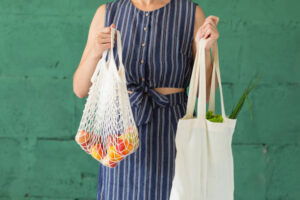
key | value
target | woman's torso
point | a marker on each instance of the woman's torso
(157, 50)
(157, 45)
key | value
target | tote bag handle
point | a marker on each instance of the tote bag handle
(215, 54)
(199, 77)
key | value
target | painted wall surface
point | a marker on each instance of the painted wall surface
(41, 43)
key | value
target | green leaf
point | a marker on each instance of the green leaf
(253, 82)
(213, 117)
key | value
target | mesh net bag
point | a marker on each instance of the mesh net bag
(107, 129)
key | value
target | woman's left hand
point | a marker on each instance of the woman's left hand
(209, 31)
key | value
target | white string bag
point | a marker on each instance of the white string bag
(204, 161)
(107, 128)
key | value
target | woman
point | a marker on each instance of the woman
(159, 45)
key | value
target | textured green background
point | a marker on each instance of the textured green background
(41, 43)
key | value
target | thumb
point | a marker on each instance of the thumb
(216, 19)
(106, 29)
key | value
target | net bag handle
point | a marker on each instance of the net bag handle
(110, 52)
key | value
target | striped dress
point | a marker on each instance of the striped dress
(157, 52)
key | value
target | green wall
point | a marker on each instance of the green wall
(41, 43)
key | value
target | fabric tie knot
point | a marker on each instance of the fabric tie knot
(145, 88)
(145, 98)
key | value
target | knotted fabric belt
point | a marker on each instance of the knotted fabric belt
(145, 98)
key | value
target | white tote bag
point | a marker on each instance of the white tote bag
(107, 129)
(204, 161)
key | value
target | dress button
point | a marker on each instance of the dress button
(145, 28)
(147, 14)
(143, 79)
(142, 61)
(143, 44)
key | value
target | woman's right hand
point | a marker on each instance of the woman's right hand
(103, 40)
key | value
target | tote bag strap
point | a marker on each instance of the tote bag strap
(216, 71)
(211, 105)
(200, 79)
(201, 109)
(193, 86)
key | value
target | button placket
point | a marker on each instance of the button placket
(143, 44)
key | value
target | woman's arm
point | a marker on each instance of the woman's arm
(98, 41)
(199, 22)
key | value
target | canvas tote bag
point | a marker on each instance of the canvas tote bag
(204, 161)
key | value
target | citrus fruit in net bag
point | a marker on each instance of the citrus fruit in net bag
(123, 146)
(107, 162)
(83, 138)
(113, 155)
(131, 135)
(97, 151)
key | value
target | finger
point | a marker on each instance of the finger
(206, 25)
(216, 19)
(106, 46)
(208, 30)
(212, 28)
(209, 42)
(103, 41)
(213, 18)
(106, 30)
(103, 44)
(209, 24)
(113, 26)
(207, 33)
(201, 31)
(104, 36)
(211, 32)
(106, 33)
(210, 21)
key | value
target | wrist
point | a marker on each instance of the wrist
(95, 54)
(207, 49)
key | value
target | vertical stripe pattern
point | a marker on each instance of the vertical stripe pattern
(157, 52)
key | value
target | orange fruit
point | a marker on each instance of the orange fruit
(112, 165)
(123, 147)
(113, 155)
(107, 162)
(97, 151)
(83, 139)
(131, 136)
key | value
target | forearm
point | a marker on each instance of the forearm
(84, 72)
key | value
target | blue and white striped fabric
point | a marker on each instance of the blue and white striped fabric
(157, 52)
